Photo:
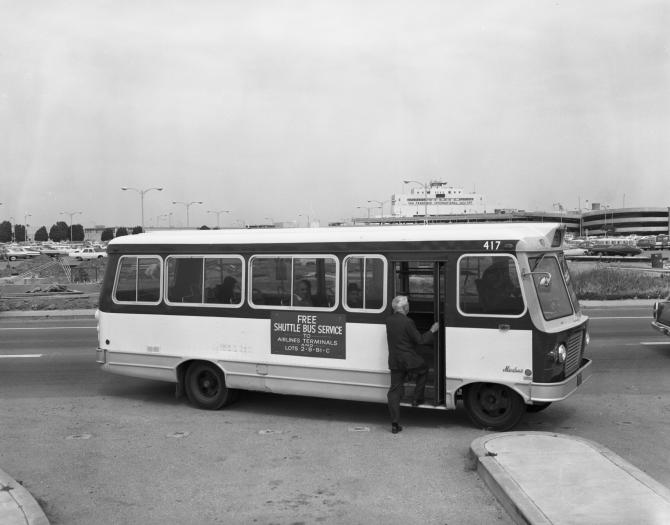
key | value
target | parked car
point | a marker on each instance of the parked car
(19, 252)
(647, 243)
(661, 316)
(88, 253)
(54, 250)
(614, 249)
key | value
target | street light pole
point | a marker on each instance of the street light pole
(425, 197)
(141, 192)
(218, 214)
(25, 226)
(365, 208)
(188, 205)
(71, 214)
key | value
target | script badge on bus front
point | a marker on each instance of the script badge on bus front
(308, 334)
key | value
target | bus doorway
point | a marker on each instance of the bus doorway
(423, 282)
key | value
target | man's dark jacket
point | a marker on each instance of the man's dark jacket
(403, 338)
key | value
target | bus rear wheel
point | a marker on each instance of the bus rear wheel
(206, 388)
(492, 406)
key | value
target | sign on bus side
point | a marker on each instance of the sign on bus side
(308, 334)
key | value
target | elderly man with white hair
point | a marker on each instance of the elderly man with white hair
(403, 339)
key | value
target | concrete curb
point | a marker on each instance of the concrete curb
(41, 314)
(17, 506)
(523, 509)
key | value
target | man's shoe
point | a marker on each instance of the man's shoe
(395, 428)
(417, 402)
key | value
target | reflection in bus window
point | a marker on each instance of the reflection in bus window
(199, 280)
(294, 282)
(489, 285)
(364, 282)
(138, 280)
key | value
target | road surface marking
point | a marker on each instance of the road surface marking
(622, 317)
(655, 343)
(19, 356)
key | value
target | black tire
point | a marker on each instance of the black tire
(206, 388)
(492, 406)
(537, 407)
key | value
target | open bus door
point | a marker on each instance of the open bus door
(424, 284)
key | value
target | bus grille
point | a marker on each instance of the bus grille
(574, 353)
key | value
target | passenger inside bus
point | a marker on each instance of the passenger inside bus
(225, 292)
(497, 293)
(303, 295)
(354, 297)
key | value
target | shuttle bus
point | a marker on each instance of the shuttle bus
(302, 312)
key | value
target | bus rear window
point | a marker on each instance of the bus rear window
(138, 280)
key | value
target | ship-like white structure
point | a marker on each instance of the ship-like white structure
(436, 198)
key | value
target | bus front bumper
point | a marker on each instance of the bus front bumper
(549, 392)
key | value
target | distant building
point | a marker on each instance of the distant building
(436, 198)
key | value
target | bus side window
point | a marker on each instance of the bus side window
(294, 282)
(489, 285)
(184, 279)
(138, 280)
(223, 280)
(364, 282)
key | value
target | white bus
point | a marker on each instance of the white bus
(302, 312)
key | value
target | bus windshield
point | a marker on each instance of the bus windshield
(552, 293)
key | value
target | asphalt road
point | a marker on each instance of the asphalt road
(98, 448)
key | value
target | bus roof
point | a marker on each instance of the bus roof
(532, 236)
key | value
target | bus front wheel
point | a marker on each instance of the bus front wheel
(492, 406)
(206, 388)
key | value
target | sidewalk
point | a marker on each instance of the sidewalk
(547, 478)
(17, 506)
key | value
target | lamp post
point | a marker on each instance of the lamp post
(365, 208)
(218, 214)
(141, 192)
(13, 230)
(71, 214)
(188, 205)
(25, 226)
(381, 209)
(425, 197)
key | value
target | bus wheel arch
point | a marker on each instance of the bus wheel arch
(204, 383)
(493, 406)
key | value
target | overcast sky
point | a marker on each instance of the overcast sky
(279, 108)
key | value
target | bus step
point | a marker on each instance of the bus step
(428, 405)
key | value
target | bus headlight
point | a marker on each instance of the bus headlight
(562, 353)
(559, 354)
